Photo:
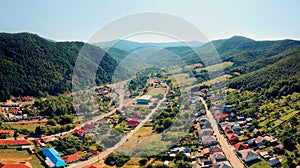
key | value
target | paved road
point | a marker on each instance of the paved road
(121, 142)
(227, 149)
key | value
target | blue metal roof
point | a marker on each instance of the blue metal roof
(54, 156)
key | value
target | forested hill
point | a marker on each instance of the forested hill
(31, 65)
(237, 49)
(272, 77)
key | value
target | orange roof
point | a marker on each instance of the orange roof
(38, 142)
(71, 158)
(232, 136)
(13, 110)
(205, 151)
(47, 139)
(1, 112)
(241, 146)
(10, 132)
(14, 142)
(15, 166)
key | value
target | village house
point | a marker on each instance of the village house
(209, 140)
(47, 139)
(218, 157)
(260, 141)
(80, 133)
(53, 158)
(7, 132)
(274, 161)
(14, 142)
(71, 158)
(88, 127)
(241, 146)
(205, 132)
(233, 138)
(132, 122)
(248, 155)
(215, 149)
(227, 108)
(39, 143)
(205, 152)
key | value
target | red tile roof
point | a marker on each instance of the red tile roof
(241, 146)
(10, 132)
(71, 158)
(38, 142)
(14, 142)
(232, 137)
(79, 132)
(88, 126)
(14, 166)
(13, 110)
(47, 139)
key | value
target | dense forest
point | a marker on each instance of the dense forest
(278, 79)
(31, 65)
(240, 50)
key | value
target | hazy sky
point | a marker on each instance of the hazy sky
(79, 20)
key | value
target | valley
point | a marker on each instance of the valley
(173, 110)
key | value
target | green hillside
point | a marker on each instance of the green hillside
(31, 65)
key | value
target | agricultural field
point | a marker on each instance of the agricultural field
(183, 78)
(156, 91)
(17, 156)
(29, 126)
(216, 67)
(194, 66)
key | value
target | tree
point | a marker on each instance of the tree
(52, 122)
(143, 162)
(40, 130)
(66, 119)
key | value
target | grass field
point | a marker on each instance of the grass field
(143, 142)
(183, 78)
(156, 91)
(29, 126)
(216, 67)
(16, 156)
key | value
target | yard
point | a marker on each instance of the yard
(16, 156)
